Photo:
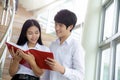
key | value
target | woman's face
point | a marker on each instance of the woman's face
(33, 35)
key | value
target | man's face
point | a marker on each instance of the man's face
(61, 30)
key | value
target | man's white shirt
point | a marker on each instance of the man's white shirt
(70, 55)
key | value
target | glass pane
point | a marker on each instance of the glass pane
(108, 22)
(119, 21)
(118, 63)
(105, 65)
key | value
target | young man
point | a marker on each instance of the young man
(69, 55)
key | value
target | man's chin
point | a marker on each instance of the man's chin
(58, 36)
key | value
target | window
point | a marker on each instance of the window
(118, 62)
(108, 22)
(105, 64)
(119, 21)
(109, 44)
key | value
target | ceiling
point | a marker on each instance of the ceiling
(44, 11)
(33, 5)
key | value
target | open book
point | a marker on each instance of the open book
(40, 56)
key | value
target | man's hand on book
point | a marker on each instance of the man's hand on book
(16, 56)
(55, 65)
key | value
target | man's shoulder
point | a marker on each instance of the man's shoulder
(75, 41)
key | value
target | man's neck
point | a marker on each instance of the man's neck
(62, 39)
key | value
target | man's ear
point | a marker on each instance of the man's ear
(70, 27)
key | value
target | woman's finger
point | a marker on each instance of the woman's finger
(12, 51)
(21, 53)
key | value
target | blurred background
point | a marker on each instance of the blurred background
(97, 29)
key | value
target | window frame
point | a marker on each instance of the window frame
(110, 42)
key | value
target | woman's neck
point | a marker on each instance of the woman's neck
(30, 45)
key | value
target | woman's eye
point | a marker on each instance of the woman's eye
(37, 32)
(29, 33)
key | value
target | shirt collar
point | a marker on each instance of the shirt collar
(67, 41)
(36, 46)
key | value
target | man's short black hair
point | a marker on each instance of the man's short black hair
(66, 17)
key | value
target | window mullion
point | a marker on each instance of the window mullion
(112, 60)
(116, 17)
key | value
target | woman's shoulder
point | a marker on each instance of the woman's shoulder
(43, 47)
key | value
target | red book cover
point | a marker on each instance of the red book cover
(40, 56)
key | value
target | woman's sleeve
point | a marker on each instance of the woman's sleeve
(46, 75)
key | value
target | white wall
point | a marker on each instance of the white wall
(90, 37)
(35, 4)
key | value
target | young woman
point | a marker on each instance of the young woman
(30, 37)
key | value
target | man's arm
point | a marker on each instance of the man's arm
(78, 65)
(77, 70)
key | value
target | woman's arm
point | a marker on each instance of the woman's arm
(13, 68)
(31, 60)
(14, 63)
(37, 71)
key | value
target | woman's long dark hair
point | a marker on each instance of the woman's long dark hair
(23, 38)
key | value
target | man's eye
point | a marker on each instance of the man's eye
(60, 25)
